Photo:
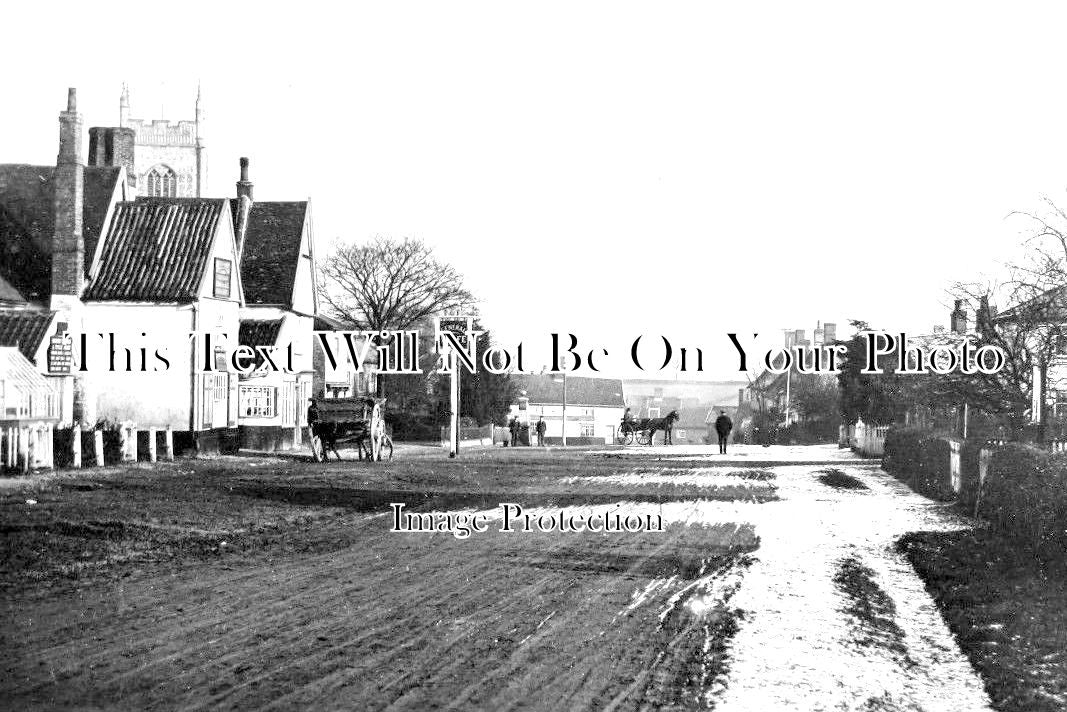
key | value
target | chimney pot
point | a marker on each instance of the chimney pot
(72, 99)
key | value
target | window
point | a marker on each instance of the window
(653, 412)
(257, 401)
(222, 278)
(161, 182)
(586, 430)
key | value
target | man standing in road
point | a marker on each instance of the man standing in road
(723, 426)
(541, 428)
(513, 427)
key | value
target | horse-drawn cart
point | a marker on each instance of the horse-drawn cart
(643, 430)
(349, 420)
(630, 431)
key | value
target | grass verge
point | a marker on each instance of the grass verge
(1007, 609)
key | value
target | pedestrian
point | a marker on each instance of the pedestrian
(513, 426)
(723, 426)
(541, 428)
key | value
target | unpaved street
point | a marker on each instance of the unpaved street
(247, 583)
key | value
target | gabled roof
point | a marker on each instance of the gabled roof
(24, 329)
(1050, 305)
(27, 222)
(17, 369)
(581, 391)
(157, 250)
(270, 253)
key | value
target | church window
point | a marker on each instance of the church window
(161, 181)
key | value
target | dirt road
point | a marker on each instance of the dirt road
(253, 583)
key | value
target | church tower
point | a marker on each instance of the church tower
(170, 159)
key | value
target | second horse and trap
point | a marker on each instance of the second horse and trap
(335, 421)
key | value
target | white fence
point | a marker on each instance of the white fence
(867, 440)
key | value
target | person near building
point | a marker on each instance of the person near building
(723, 426)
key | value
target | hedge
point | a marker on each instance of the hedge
(1025, 497)
(1025, 493)
(920, 459)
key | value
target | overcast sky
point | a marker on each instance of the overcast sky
(609, 169)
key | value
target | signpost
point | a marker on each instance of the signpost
(60, 355)
(461, 326)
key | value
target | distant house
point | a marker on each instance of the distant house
(654, 398)
(276, 252)
(593, 413)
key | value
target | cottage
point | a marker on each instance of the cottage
(594, 407)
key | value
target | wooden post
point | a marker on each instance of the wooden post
(98, 447)
(24, 449)
(76, 446)
(12, 448)
(129, 449)
(50, 433)
(151, 444)
(168, 442)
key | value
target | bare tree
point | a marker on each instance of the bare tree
(1030, 332)
(390, 284)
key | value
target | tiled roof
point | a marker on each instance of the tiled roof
(324, 322)
(157, 249)
(270, 253)
(27, 222)
(259, 332)
(20, 375)
(9, 293)
(693, 417)
(24, 328)
(580, 390)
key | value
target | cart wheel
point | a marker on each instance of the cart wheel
(627, 438)
(646, 437)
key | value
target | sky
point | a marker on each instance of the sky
(605, 169)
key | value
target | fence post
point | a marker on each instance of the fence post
(983, 470)
(98, 447)
(127, 434)
(954, 466)
(168, 442)
(151, 444)
(76, 445)
(24, 449)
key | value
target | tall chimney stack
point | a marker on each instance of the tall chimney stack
(244, 207)
(68, 246)
(244, 186)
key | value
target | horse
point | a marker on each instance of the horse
(666, 424)
(330, 433)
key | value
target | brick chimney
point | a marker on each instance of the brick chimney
(244, 186)
(244, 206)
(113, 147)
(959, 318)
(68, 246)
